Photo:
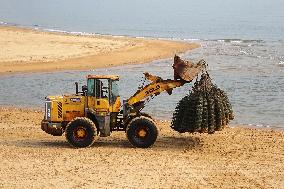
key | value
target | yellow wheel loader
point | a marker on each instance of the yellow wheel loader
(97, 110)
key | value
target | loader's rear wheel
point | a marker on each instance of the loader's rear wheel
(80, 132)
(142, 132)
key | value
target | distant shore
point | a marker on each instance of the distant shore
(28, 50)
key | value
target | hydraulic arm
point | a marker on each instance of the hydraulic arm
(184, 72)
(157, 86)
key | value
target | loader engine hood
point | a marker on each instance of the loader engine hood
(63, 107)
(49, 105)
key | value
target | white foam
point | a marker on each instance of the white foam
(244, 52)
(176, 38)
(3, 23)
(140, 37)
(55, 30)
(193, 39)
(281, 63)
(236, 41)
(259, 125)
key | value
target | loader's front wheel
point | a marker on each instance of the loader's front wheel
(80, 132)
(142, 132)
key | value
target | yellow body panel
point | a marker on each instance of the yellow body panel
(99, 105)
(67, 107)
(116, 106)
(112, 77)
(56, 110)
(102, 104)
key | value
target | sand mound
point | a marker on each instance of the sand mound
(24, 50)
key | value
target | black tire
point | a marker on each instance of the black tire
(80, 132)
(141, 132)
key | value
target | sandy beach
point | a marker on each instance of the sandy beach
(26, 50)
(236, 157)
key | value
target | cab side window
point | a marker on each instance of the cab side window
(91, 87)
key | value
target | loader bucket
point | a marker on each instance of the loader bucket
(186, 70)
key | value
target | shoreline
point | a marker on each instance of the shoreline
(29, 50)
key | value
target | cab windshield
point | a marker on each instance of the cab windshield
(98, 88)
(115, 90)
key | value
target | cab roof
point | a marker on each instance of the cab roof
(112, 77)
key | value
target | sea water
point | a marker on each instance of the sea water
(242, 42)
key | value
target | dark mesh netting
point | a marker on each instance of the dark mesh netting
(206, 109)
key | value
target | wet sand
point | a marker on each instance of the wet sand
(233, 158)
(26, 50)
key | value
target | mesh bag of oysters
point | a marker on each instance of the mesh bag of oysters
(205, 109)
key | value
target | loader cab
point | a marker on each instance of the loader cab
(103, 93)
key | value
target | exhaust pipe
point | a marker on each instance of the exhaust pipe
(77, 88)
